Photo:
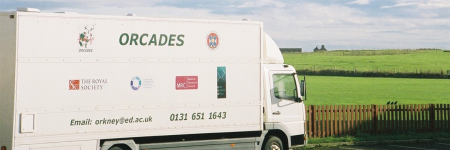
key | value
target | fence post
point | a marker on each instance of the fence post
(448, 115)
(432, 117)
(375, 118)
(313, 121)
(308, 122)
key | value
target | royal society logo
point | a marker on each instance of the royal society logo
(87, 84)
(212, 40)
(136, 83)
(74, 84)
(85, 38)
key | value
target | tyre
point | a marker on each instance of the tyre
(273, 143)
(120, 147)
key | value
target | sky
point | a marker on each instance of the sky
(337, 24)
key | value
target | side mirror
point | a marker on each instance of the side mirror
(303, 87)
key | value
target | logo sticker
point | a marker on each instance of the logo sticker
(212, 40)
(74, 84)
(222, 82)
(186, 82)
(86, 37)
(87, 84)
(136, 83)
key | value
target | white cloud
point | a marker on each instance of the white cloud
(360, 2)
(425, 4)
(155, 11)
(309, 24)
(260, 3)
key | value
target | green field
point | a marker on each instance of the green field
(323, 90)
(381, 60)
(358, 90)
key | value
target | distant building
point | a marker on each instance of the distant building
(322, 49)
(287, 50)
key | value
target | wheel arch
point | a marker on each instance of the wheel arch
(130, 143)
(279, 130)
(280, 134)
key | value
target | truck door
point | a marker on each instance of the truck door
(286, 107)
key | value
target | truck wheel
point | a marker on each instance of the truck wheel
(120, 147)
(274, 143)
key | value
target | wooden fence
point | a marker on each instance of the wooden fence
(337, 120)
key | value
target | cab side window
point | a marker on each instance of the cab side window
(284, 86)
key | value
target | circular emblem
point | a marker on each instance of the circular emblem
(135, 83)
(213, 40)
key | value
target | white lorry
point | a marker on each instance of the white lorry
(88, 82)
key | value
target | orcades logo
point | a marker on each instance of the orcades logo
(212, 40)
(74, 84)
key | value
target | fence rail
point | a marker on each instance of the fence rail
(337, 120)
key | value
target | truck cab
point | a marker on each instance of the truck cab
(284, 108)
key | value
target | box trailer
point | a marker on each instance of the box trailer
(92, 82)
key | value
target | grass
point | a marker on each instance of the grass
(378, 137)
(327, 90)
(381, 60)
(358, 90)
